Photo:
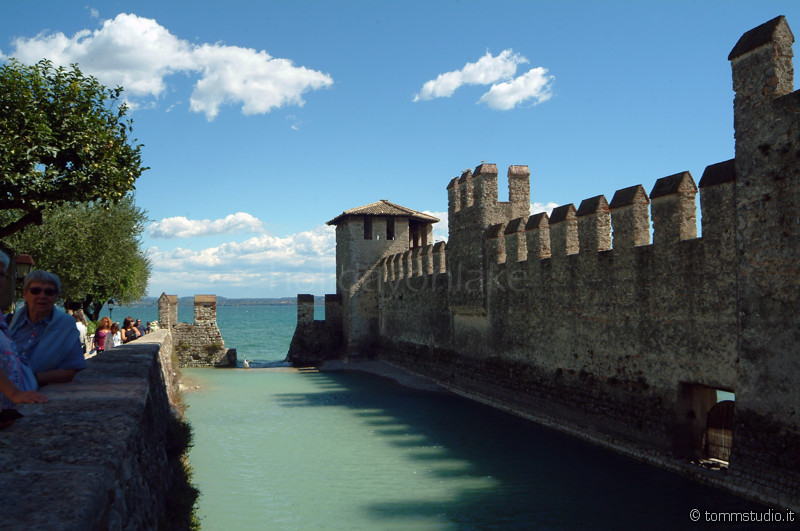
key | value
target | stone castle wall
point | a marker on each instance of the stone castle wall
(197, 344)
(317, 340)
(579, 321)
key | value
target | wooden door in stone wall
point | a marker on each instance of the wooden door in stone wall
(719, 431)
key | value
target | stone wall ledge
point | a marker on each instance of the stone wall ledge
(95, 456)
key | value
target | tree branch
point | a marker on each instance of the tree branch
(30, 218)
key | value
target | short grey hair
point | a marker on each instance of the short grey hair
(43, 277)
(4, 259)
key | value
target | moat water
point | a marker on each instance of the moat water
(276, 448)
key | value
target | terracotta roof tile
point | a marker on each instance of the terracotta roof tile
(383, 208)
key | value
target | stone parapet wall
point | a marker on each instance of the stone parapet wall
(201, 345)
(317, 340)
(97, 456)
(198, 344)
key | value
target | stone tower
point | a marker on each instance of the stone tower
(473, 207)
(767, 170)
(364, 235)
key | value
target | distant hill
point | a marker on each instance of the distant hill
(225, 301)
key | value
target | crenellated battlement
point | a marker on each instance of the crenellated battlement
(629, 214)
(563, 231)
(418, 262)
(197, 344)
(622, 224)
(473, 201)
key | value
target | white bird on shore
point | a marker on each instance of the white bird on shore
(246, 363)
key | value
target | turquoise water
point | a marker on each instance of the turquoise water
(262, 333)
(276, 448)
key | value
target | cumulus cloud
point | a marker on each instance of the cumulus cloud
(535, 85)
(139, 54)
(485, 71)
(257, 80)
(506, 91)
(543, 207)
(181, 227)
(303, 251)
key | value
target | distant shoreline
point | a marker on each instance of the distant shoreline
(225, 301)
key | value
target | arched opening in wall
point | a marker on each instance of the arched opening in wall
(704, 424)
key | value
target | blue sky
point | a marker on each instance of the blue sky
(263, 120)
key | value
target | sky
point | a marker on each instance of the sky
(262, 120)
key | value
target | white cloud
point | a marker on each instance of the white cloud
(485, 71)
(181, 227)
(261, 266)
(506, 91)
(542, 207)
(138, 54)
(255, 79)
(535, 85)
(303, 251)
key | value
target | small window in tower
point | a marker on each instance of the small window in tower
(390, 228)
(367, 228)
(413, 236)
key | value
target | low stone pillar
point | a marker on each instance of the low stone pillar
(305, 308)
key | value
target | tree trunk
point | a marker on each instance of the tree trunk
(91, 308)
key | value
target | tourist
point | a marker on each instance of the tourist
(129, 332)
(47, 337)
(12, 368)
(81, 326)
(142, 330)
(100, 341)
(114, 338)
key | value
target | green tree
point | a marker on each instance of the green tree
(63, 140)
(94, 248)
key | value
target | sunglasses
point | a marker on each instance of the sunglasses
(37, 290)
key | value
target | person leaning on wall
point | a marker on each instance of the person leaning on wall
(129, 332)
(45, 335)
(12, 368)
(142, 330)
(80, 324)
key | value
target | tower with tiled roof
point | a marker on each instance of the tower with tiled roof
(365, 235)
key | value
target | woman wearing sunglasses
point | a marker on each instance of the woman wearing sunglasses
(46, 336)
(12, 367)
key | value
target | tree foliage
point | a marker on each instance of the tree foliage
(94, 248)
(63, 140)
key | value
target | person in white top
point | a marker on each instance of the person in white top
(114, 338)
(81, 328)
